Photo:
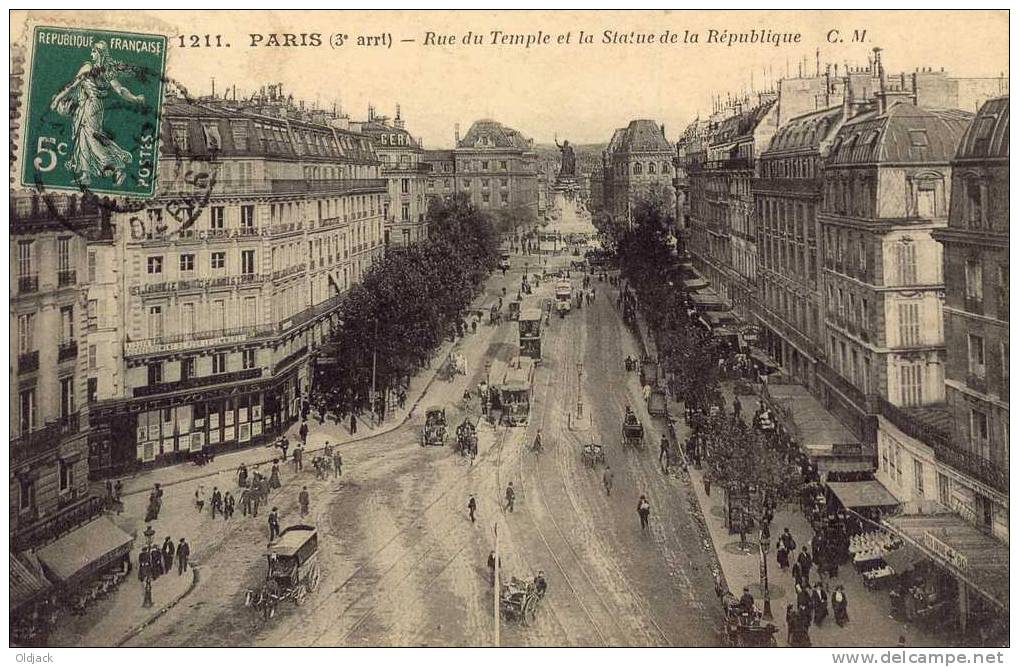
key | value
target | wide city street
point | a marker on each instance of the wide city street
(402, 564)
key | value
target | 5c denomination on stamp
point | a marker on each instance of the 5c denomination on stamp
(94, 102)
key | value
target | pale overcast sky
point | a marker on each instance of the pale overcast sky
(580, 91)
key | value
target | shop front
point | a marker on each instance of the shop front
(182, 425)
(961, 575)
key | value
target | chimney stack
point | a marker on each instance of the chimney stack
(456, 129)
(882, 104)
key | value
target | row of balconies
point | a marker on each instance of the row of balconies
(945, 450)
(28, 362)
(183, 341)
(289, 271)
(193, 284)
(338, 186)
(196, 382)
(28, 284)
(41, 441)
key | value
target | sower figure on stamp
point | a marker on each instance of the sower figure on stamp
(94, 153)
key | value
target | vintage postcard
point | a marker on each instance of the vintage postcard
(510, 328)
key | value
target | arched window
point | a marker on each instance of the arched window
(650, 167)
(665, 167)
(637, 168)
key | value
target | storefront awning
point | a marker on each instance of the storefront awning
(694, 284)
(870, 493)
(903, 558)
(815, 429)
(843, 466)
(970, 554)
(709, 298)
(27, 584)
(84, 550)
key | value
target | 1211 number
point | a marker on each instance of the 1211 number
(195, 41)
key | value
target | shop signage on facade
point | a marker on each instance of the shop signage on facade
(944, 550)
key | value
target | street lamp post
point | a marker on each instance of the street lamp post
(375, 338)
(764, 575)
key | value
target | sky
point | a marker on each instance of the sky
(580, 92)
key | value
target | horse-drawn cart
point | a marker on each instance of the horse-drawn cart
(518, 600)
(593, 454)
(434, 431)
(467, 438)
(292, 573)
(632, 432)
(742, 627)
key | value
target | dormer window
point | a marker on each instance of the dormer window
(918, 138)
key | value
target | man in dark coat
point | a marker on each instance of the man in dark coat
(805, 563)
(303, 432)
(156, 561)
(183, 553)
(144, 564)
(168, 552)
(746, 601)
(472, 507)
(819, 602)
(274, 524)
(353, 424)
(788, 542)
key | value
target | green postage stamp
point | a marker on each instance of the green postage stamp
(92, 122)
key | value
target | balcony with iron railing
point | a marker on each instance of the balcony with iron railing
(198, 283)
(40, 442)
(67, 277)
(289, 271)
(858, 398)
(286, 227)
(28, 284)
(73, 512)
(28, 361)
(198, 382)
(973, 304)
(337, 186)
(200, 339)
(963, 460)
(67, 349)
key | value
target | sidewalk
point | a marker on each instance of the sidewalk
(870, 623)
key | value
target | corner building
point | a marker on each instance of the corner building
(213, 298)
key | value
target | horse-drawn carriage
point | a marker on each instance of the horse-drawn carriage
(742, 627)
(593, 454)
(292, 573)
(632, 431)
(467, 438)
(434, 431)
(519, 599)
(455, 364)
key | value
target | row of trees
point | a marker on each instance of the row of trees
(686, 351)
(735, 454)
(407, 303)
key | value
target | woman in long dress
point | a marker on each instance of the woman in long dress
(93, 151)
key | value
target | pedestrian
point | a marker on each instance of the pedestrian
(663, 454)
(799, 636)
(242, 475)
(217, 501)
(737, 407)
(274, 524)
(606, 480)
(298, 458)
(787, 541)
(152, 511)
(353, 424)
(144, 564)
(274, 475)
(256, 496)
(337, 465)
(304, 500)
(285, 445)
(245, 501)
(168, 552)
(118, 490)
(156, 559)
(805, 563)
(819, 602)
(510, 497)
(804, 600)
(183, 553)
(782, 555)
(228, 505)
(472, 507)
(491, 566)
(303, 432)
(746, 601)
(840, 605)
(147, 594)
(644, 511)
